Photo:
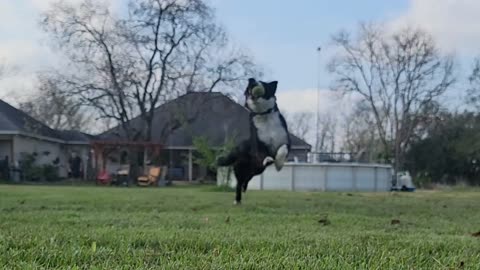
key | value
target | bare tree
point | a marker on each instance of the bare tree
(360, 136)
(399, 74)
(300, 124)
(125, 66)
(474, 88)
(55, 109)
(2, 69)
(327, 127)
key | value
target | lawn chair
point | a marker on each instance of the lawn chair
(151, 178)
(122, 175)
(104, 178)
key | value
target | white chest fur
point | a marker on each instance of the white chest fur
(270, 130)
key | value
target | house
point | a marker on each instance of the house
(22, 136)
(176, 124)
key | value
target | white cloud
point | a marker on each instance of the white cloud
(43, 5)
(17, 88)
(305, 100)
(24, 53)
(23, 46)
(330, 103)
(453, 23)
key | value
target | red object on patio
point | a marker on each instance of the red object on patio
(104, 178)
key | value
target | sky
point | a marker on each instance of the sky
(283, 37)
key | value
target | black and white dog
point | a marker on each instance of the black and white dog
(269, 141)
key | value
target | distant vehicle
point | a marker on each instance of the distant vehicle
(404, 182)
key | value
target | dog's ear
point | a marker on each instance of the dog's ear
(251, 83)
(271, 87)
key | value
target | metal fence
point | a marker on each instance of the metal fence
(344, 157)
(331, 157)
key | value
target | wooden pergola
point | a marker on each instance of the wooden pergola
(100, 147)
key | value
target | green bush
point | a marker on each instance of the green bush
(50, 173)
(422, 180)
(36, 173)
(207, 155)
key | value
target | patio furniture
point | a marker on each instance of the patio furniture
(151, 178)
(104, 178)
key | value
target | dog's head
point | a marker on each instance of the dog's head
(260, 96)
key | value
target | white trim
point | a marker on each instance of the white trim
(50, 139)
(3, 132)
(40, 137)
(76, 143)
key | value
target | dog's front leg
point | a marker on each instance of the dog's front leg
(281, 157)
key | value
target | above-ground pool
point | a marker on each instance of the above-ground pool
(318, 177)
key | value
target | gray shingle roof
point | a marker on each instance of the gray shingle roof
(211, 115)
(16, 121)
(75, 136)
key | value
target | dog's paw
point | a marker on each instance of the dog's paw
(281, 157)
(267, 161)
(237, 202)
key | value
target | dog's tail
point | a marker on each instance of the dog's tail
(227, 160)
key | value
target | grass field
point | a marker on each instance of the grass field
(199, 228)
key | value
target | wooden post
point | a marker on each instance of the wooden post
(104, 161)
(190, 165)
(12, 151)
(85, 163)
(145, 171)
(95, 154)
(13, 164)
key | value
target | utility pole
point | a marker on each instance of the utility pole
(317, 131)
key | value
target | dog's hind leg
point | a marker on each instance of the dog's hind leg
(238, 194)
(245, 186)
(241, 180)
(281, 157)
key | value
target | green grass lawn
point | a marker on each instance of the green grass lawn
(199, 228)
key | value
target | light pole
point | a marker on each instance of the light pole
(319, 49)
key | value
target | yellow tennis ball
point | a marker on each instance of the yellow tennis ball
(258, 91)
